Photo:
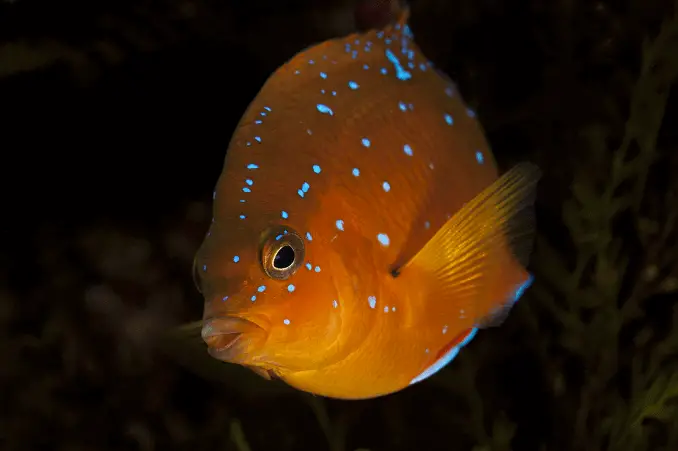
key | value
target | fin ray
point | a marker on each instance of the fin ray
(480, 239)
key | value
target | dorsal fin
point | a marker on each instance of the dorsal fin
(377, 14)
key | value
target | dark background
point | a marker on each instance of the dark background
(115, 117)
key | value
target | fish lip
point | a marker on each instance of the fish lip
(229, 338)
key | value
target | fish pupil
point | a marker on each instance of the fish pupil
(284, 258)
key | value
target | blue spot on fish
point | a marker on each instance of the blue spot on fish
(386, 186)
(317, 269)
(366, 142)
(284, 214)
(249, 182)
(291, 288)
(247, 190)
(449, 119)
(340, 224)
(401, 73)
(325, 109)
(355, 172)
(479, 157)
(257, 139)
(383, 239)
(353, 85)
(308, 236)
(252, 166)
(261, 288)
(305, 187)
(242, 216)
(407, 149)
(402, 106)
(308, 266)
(253, 298)
(372, 300)
(323, 75)
(316, 169)
(236, 259)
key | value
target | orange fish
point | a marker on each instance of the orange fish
(361, 233)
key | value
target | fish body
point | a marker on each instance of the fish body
(363, 160)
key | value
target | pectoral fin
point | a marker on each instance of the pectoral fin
(483, 243)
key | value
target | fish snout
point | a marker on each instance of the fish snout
(228, 338)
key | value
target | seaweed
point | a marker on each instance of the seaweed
(601, 297)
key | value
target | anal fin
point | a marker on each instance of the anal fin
(447, 354)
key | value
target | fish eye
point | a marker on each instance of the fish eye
(284, 258)
(282, 252)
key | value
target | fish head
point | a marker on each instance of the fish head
(271, 296)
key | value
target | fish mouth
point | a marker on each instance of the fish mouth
(229, 338)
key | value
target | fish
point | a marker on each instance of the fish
(361, 232)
